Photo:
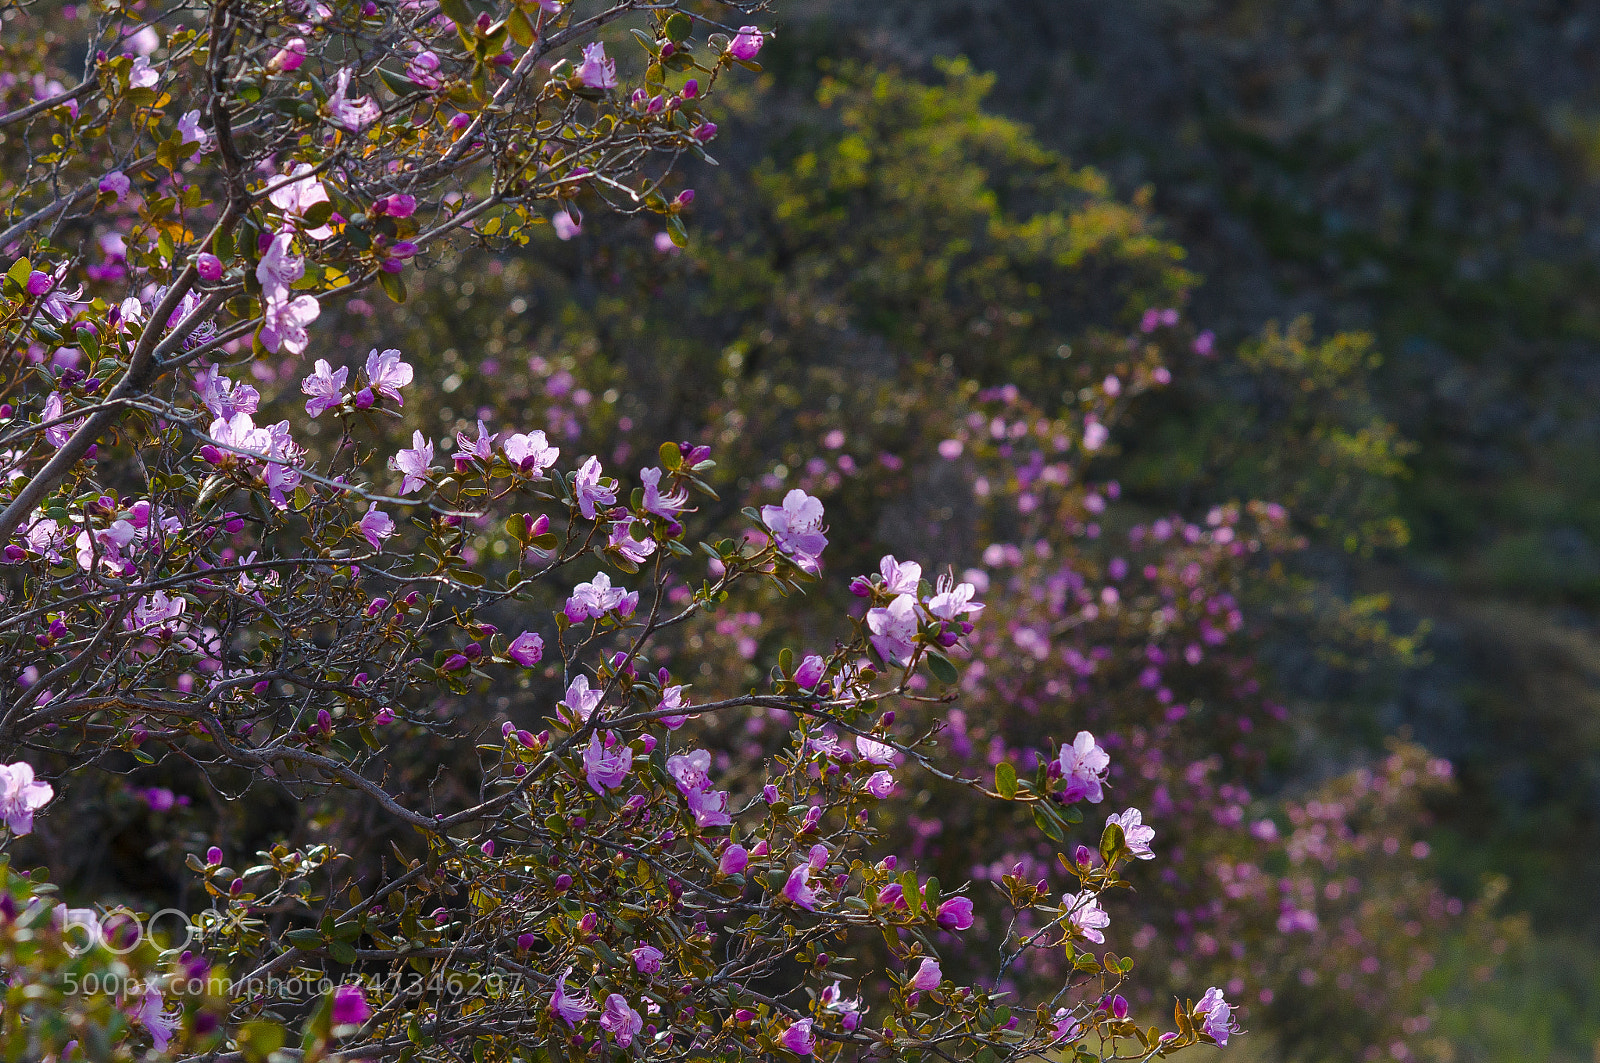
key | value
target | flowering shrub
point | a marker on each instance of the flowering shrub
(267, 609)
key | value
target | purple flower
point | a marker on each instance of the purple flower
(606, 768)
(1134, 832)
(667, 506)
(647, 959)
(398, 205)
(285, 322)
(799, 892)
(469, 449)
(899, 577)
(672, 698)
(593, 600)
(928, 976)
(810, 672)
(189, 129)
(289, 57)
(596, 71)
(352, 115)
(881, 784)
(279, 267)
(151, 1014)
(1083, 767)
(21, 796)
(955, 601)
(527, 649)
(325, 387)
(1085, 916)
(874, 752)
(894, 628)
(796, 527)
(734, 860)
(1216, 1016)
(387, 374)
(571, 1010)
(349, 1006)
(421, 69)
(799, 1039)
(592, 490)
(955, 914)
(141, 75)
(530, 452)
(620, 1021)
(747, 43)
(376, 526)
(209, 266)
(623, 542)
(849, 1011)
(116, 182)
(415, 464)
(297, 197)
(580, 700)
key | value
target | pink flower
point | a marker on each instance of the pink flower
(414, 464)
(647, 959)
(289, 57)
(564, 224)
(799, 1039)
(21, 796)
(376, 526)
(928, 976)
(810, 672)
(881, 784)
(747, 43)
(349, 1006)
(1134, 832)
(596, 71)
(799, 892)
(1216, 1016)
(667, 506)
(796, 527)
(387, 374)
(527, 649)
(1085, 916)
(593, 600)
(531, 453)
(894, 629)
(606, 768)
(620, 1021)
(580, 700)
(955, 914)
(689, 770)
(734, 860)
(592, 490)
(1083, 767)
(352, 115)
(325, 387)
(155, 611)
(571, 1010)
(1066, 1027)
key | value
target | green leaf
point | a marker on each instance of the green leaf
(678, 27)
(786, 661)
(671, 457)
(316, 215)
(19, 273)
(1005, 779)
(1047, 823)
(342, 952)
(305, 938)
(942, 668)
(1111, 842)
(392, 286)
(457, 10)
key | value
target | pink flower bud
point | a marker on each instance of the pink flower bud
(213, 856)
(691, 89)
(209, 266)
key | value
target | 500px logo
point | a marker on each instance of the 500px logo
(121, 930)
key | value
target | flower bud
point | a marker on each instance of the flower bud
(209, 266)
(213, 856)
